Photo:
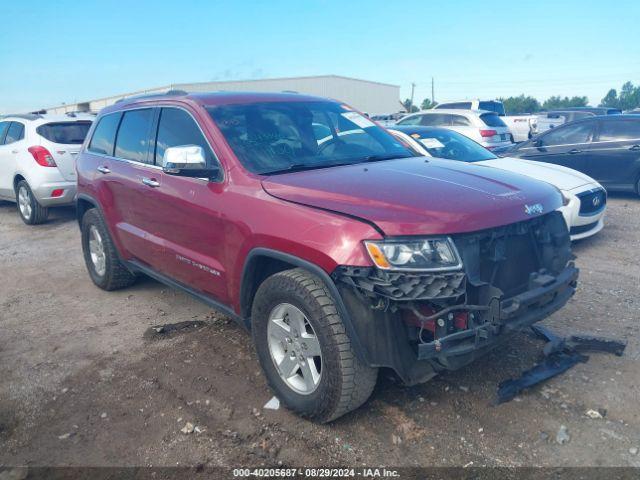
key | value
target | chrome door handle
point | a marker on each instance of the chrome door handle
(14, 151)
(635, 148)
(150, 182)
(103, 169)
(574, 151)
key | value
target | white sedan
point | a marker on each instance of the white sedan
(585, 199)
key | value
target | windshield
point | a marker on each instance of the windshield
(278, 137)
(452, 146)
(68, 133)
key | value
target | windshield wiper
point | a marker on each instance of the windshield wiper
(379, 158)
(300, 167)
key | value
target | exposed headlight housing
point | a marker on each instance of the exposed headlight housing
(426, 254)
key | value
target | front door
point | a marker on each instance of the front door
(186, 218)
(614, 156)
(566, 145)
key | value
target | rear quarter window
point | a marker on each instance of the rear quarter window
(619, 130)
(68, 133)
(14, 133)
(103, 138)
(492, 120)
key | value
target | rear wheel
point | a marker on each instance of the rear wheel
(31, 212)
(304, 350)
(100, 255)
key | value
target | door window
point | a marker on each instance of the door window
(104, 136)
(4, 126)
(619, 130)
(175, 128)
(132, 140)
(14, 133)
(568, 135)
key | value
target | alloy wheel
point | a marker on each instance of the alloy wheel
(96, 250)
(294, 348)
(24, 202)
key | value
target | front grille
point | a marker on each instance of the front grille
(592, 202)
(404, 286)
(506, 257)
(583, 228)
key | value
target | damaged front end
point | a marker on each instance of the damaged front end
(420, 322)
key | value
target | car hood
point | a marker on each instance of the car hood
(561, 177)
(419, 196)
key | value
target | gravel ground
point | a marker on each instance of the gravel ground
(84, 380)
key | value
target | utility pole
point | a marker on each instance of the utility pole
(413, 87)
(433, 97)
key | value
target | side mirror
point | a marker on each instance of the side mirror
(187, 161)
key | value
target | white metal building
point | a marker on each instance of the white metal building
(371, 97)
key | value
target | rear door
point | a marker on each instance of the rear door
(566, 145)
(13, 144)
(614, 156)
(63, 140)
(6, 164)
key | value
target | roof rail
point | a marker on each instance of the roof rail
(26, 116)
(169, 93)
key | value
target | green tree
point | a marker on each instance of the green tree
(409, 107)
(427, 104)
(628, 99)
(557, 102)
(611, 99)
(629, 96)
(520, 104)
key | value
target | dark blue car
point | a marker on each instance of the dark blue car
(607, 148)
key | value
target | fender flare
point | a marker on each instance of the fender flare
(316, 270)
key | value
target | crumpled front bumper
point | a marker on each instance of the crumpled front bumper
(506, 316)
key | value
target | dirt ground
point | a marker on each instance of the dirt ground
(85, 381)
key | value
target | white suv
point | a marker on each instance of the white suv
(485, 127)
(37, 161)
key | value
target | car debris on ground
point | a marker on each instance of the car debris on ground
(561, 353)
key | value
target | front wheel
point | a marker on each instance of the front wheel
(304, 350)
(31, 212)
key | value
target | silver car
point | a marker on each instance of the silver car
(37, 161)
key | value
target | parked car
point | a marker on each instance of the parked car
(37, 161)
(595, 110)
(584, 198)
(341, 255)
(519, 125)
(387, 120)
(547, 120)
(486, 128)
(495, 106)
(607, 148)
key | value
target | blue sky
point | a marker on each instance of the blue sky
(66, 51)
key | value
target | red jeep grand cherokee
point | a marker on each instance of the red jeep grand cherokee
(319, 232)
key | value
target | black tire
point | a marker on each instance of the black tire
(116, 274)
(39, 214)
(345, 382)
